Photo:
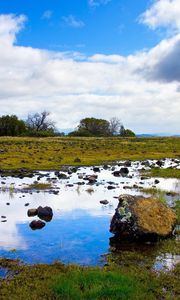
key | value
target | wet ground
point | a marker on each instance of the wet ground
(79, 230)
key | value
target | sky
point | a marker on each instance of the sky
(92, 58)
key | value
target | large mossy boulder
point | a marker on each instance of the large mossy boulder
(137, 217)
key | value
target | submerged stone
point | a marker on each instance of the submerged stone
(137, 217)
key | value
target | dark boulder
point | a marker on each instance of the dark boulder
(45, 213)
(137, 217)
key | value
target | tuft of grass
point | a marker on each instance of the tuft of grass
(157, 193)
(177, 210)
(164, 173)
(39, 186)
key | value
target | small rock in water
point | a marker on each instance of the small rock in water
(110, 187)
(156, 181)
(37, 224)
(105, 202)
(32, 212)
(45, 213)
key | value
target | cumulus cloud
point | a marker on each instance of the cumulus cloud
(73, 21)
(76, 86)
(163, 13)
(165, 62)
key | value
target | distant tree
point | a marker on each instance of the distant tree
(40, 122)
(114, 126)
(11, 126)
(126, 132)
(94, 127)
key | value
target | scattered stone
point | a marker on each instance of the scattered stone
(105, 202)
(160, 163)
(45, 213)
(32, 212)
(96, 169)
(37, 224)
(110, 187)
(26, 204)
(156, 181)
(127, 163)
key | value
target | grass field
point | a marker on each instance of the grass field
(52, 153)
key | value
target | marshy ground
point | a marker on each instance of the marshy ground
(126, 270)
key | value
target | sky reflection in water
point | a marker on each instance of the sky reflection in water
(79, 230)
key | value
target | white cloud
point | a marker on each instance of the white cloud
(47, 14)
(75, 86)
(163, 13)
(73, 22)
(95, 3)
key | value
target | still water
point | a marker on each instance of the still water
(79, 231)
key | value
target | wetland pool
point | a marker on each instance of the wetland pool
(79, 230)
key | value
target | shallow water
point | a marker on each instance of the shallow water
(79, 231)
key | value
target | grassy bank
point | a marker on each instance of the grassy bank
(52, 153)
(73, 283)
(165, 173)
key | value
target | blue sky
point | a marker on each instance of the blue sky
(100, 58)
(106, 28)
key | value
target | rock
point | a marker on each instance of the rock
(117, 173)
(160, 163)
(105, 202)
(45, 213)
(110, 187)
(156, 181)
(62, 176)
(137, 217)
(127, 163)
(37, 224)
(96, 169)
(32, 212)
(124, 171)
(121, 172)
(144, 177)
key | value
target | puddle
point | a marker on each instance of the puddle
(79, 230)
(166, 262)
(3, 272)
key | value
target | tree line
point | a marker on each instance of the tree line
(41, 125)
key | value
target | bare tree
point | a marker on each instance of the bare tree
(40, 122)
(115, 125)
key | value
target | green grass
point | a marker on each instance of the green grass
(89, 284)
(52, 153)
(165, 173)
(76, 283)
